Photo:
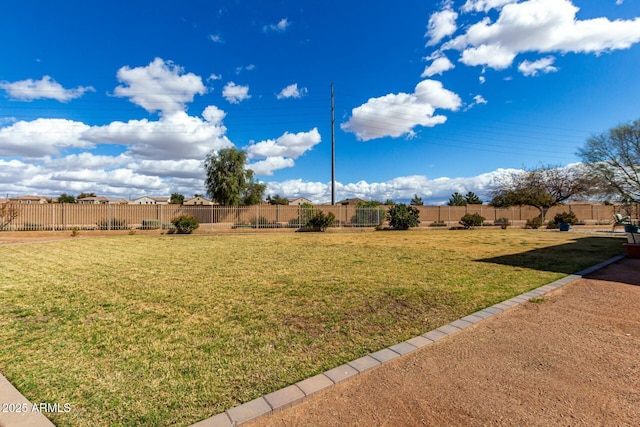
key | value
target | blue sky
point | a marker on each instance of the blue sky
(126, 98)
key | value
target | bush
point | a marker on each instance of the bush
(565, 218)
(150, 224)
(113, 224)
(470, 221)
(502, 222)
(534, 223)
(438, 224)
(401, 217)
(185, 224)
(319, 221)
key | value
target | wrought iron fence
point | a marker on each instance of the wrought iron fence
(62, 216)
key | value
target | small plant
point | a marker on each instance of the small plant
(502, 222)
(438, 224)
(469, 221)
(75, 231)
(320, 221)
(401, 217)
(132, 231)
(150, 224)
(185, 224)
(534, 223)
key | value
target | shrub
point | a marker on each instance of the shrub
(401, 217)
(150, 224)
(185, 224)
(75, 231)
(565, 218)
(319, 221)
(113, 224)
(502, 222)
(534, 223)
(438, 224)
(470, 221)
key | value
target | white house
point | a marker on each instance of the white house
(100, 200)
(199, 200)
(146, 200)
(298, 201)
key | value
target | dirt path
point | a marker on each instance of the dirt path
(571, 359)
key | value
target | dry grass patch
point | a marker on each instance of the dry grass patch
(168, 330)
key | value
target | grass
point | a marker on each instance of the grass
(168, 330)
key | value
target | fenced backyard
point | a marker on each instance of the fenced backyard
(169, 330)
(44, 217)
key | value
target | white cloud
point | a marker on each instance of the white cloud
(292, 91)
(183, 168)
(160, 86)
(441, 24)
(280, 153)
(438, 66)
(213, 77)
(242, 68)
(538, 26)
(269, 165)
(234, 93)
(541, 65)
(45, 88)
(174, 136)
(280, 27)
(484, 5)
(42, 137)
(482, 79)
(433, 191)
(494, 56)
(397, 114)
(216, 38)
(477, 100)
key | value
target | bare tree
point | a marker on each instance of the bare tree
(541, 188)
(613, 159)
(8, 212)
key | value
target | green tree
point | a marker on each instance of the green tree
(253, 193)
(389, 202)
(83, 195)
(277, 200)
(613, 160)
(176, 199)
(416, 201)
(456, 199)
(66, 198)
(541, 188)
(472, 199)
(228, 181)
(401, 217)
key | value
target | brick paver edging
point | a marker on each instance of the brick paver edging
(298, 392)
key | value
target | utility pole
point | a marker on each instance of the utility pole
(333, 150)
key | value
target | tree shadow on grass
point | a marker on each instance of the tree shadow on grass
(568, 258)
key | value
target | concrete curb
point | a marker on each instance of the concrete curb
(302, 390)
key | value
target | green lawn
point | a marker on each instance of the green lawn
(168, 330)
